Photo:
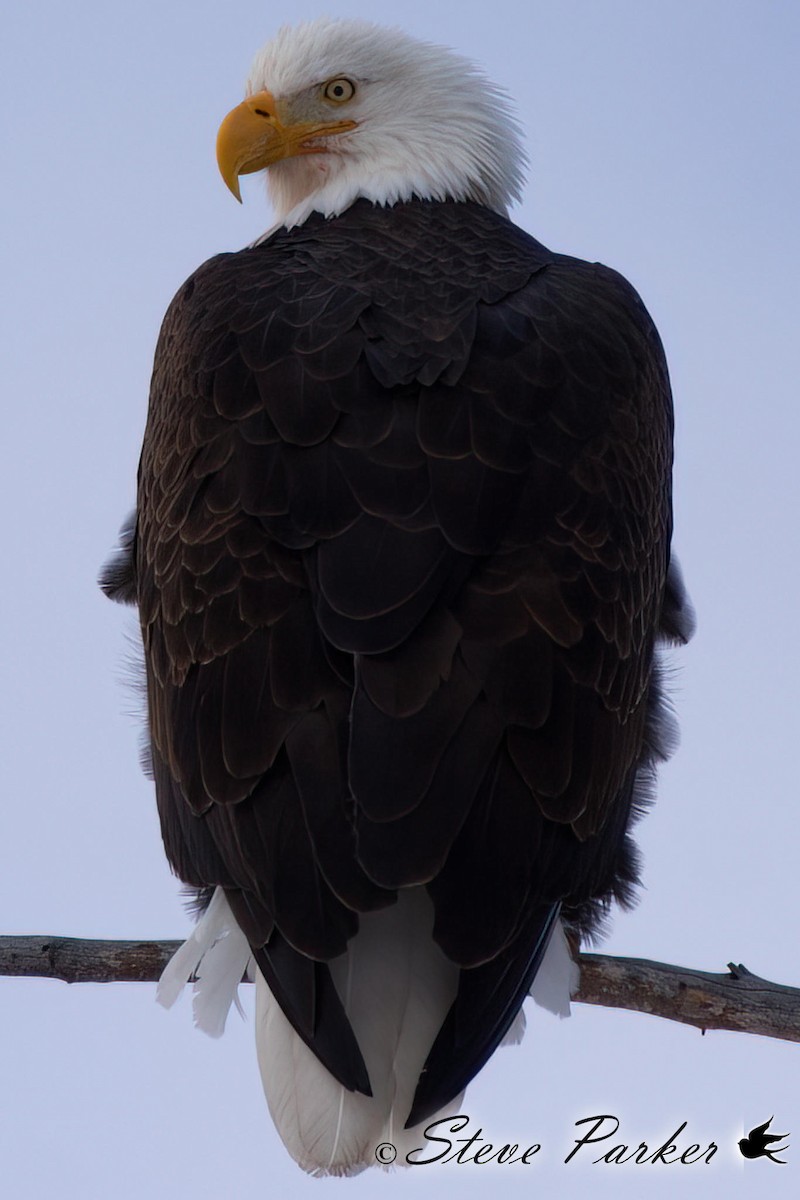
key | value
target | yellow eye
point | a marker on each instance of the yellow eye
(339, 90)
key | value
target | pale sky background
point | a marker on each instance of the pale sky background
(663, 136)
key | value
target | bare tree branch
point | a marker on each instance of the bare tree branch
(737, 1000)
(84, 960)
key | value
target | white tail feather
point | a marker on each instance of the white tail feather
(556, 982)
(217, 954)
(396, 987)
(558, 977)
(516, 1030)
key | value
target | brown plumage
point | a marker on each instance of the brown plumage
(402, 561)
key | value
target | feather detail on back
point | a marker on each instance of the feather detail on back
(217, 955)
(397, 988)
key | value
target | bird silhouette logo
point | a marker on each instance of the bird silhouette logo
(757, 1143)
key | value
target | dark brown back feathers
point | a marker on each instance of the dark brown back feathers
(401, 562)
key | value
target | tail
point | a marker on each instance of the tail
(396, 987)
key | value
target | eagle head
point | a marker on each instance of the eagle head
(337, 110)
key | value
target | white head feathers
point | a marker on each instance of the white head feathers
(429, 123)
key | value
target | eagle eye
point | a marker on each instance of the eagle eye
(339, 90)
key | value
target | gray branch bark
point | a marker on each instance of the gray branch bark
(737, 1000)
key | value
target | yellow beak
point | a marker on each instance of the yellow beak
(253, 136)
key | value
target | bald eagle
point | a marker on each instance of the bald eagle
(401, 555)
